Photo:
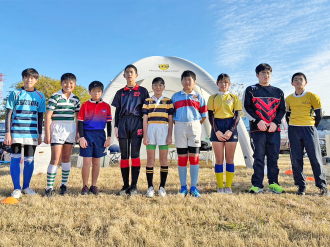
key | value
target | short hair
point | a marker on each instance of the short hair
(188, 73)
(68, 76)
(95, 84)
(262, 67)
(30, 72)
(224, 77)
(131, 66)
(158, 80)
(299, 74)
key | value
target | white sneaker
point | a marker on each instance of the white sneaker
(150, 192)
(220, 190)
(228, 190)
(29, 191)
(16, 194)
(161, 192)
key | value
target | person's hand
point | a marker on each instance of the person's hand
(107, 142)
(116, 133)
(169, 140)
(228, 134)
(262, 125)
(220, 136)
(77, 136)
(146, 141)
(83, 142)
(7, 140)
(272, 127)
(47, 138)
(39, 140)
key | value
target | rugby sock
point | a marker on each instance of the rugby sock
(150, 175)
(51, 175)
(194, 170)
(182, 162)
(124, 167)
(163, 175)
(136, 165)
(66, 167)
(15, 171)
(230, 171)
(219, 175)
(28, 171)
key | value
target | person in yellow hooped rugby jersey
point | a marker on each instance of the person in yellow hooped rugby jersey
(224, 114)
(301, 107)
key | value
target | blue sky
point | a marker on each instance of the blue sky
(96, 39)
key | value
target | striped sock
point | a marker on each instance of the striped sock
(194, 170)
(230, 171)
(182, 161)
(66, 167)
(163, 175)
(28, 171)
(150, 175)
(51, 174)
(15, 170)
(219, 175)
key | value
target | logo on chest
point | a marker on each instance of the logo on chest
(195, 97)
(104, 111)
(229, 101)
(137, 94)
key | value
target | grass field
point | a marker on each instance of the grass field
(215, 219)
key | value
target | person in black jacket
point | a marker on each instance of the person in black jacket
(264, 106)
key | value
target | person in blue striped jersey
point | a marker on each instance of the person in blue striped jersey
(25, 107)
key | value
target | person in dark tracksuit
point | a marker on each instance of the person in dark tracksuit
(301, 107)
(264, 105)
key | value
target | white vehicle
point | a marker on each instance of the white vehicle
(323, 129)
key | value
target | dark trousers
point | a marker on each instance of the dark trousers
(265, 144)
(301, 137)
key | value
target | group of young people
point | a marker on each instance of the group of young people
(141, 117)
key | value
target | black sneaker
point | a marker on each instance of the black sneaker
(49, 192)
(133, 191)
(324, 192)
(64, 190)
(124, 191)
(301, 191)
(85, 190)
(94, 190)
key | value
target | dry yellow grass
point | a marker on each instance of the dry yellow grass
(240, 219)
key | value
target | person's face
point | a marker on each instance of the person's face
(299, 82)
(96, 93)
(264, 77)
(68, 86)
(158, 88)
(29, 82)
(223, 86)
(188, 83)
(130, 75)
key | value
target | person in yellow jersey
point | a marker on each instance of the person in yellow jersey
(224, 114)
(304, 113)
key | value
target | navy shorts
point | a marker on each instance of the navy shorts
(95, 140)
(223, 125)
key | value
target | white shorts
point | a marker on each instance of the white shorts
(157, 134)
(63, 132)
(187, 134)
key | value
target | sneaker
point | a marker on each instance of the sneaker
(16, 194)
(49, 192)
(228, 190)
(184, 190)
(275, 188)
(64, 190)
(255, 190)
(221, 190)
(194, 192)
(133, 191)
(324, 192)
(29, 191)
(150, 192)
(124, 191)
(94, 190)
(85, 190)
(301, 191)
(161, 192)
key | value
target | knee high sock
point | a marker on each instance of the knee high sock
(51, 175)
(230, 171)
(163, 175)
(15, 171)
(136, 165)
(66, 167)
(183, 170)
(150, 175)
(28, 171)
(124, 167)
(219, 175)
(194, 170)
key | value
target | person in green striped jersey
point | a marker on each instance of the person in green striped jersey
(61, 131)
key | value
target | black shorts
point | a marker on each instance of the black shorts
(130, 127)
(223, 125)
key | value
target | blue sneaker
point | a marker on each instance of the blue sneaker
(194, 192)
(184, 190)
